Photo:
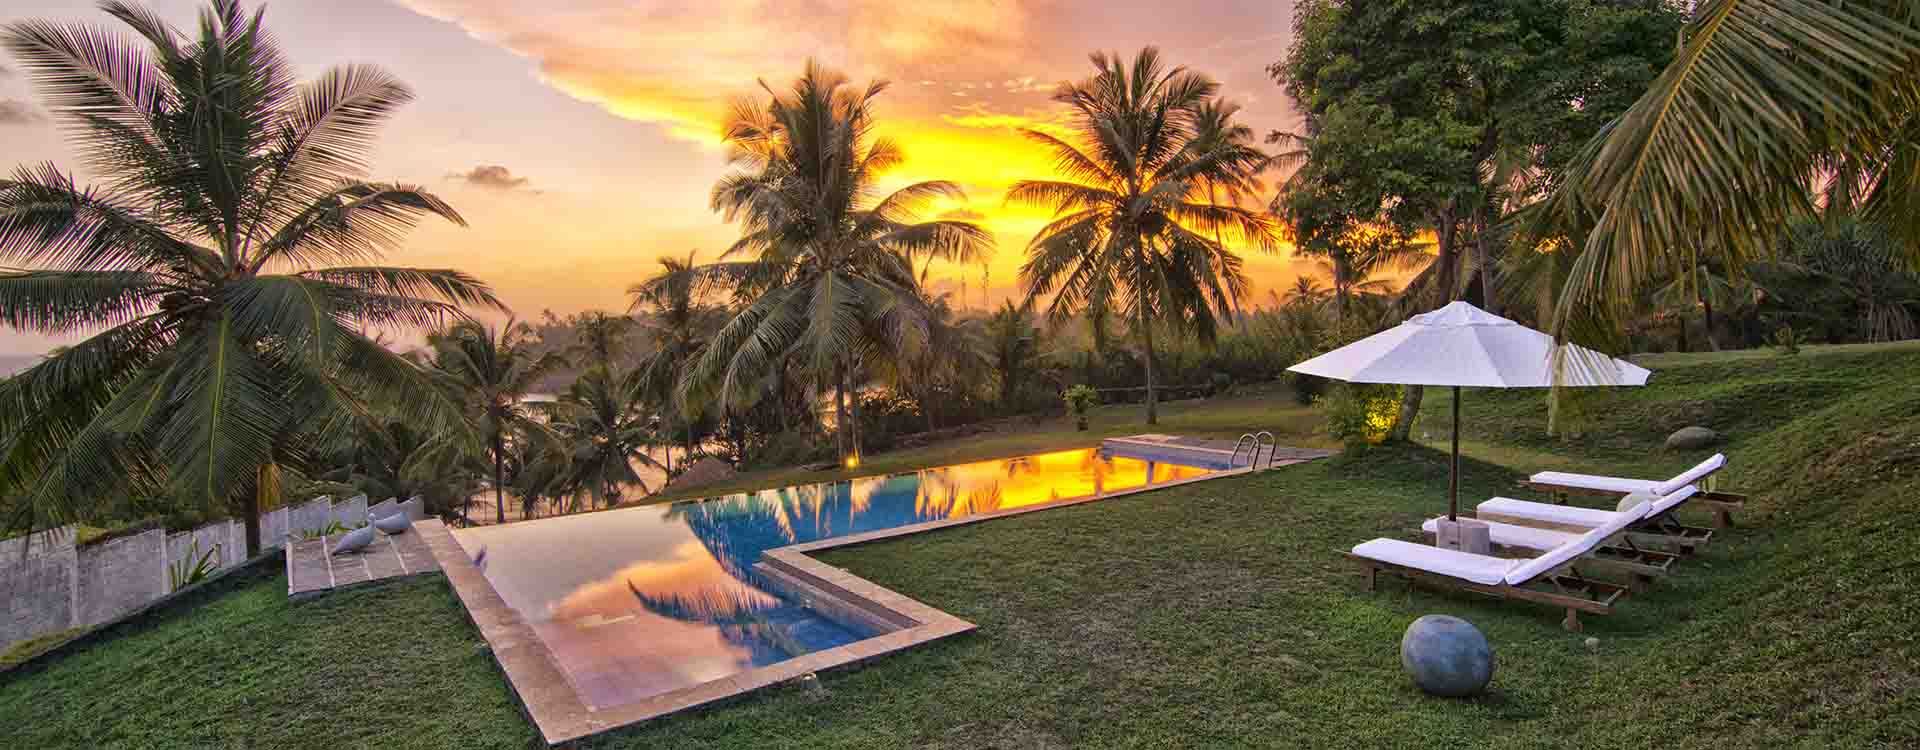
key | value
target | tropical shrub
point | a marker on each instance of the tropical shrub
(1361, 414)
(1081, 398)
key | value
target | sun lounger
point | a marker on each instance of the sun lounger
(1657, 528)
(1626, 557)
(1551, 578)
(1561, 484)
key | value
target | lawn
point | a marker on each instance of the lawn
(1218, 614)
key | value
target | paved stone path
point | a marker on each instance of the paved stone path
(311, 571)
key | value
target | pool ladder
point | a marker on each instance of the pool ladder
(1251, 441)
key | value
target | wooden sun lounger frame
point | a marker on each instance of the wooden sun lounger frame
(1571, 592)
(1723, 504)
(1644, 565)
(1662, 531)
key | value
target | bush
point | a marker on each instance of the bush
(1361, 414)
(1786, 340)
(1306, 388)
(1079, 399)
(791, 448)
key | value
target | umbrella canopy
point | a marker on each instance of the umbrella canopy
(1464, 346)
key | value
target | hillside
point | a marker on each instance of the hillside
(1216, 614)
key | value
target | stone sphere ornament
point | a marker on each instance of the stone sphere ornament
(1447, 656)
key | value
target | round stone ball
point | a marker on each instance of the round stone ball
(1446, 656)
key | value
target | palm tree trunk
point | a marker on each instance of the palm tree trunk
(1483, 258)
(499, 479)
(1706, 309)
(1146, 337)
(266, 487)
(840, 416)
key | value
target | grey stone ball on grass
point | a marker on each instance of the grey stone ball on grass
(1446, 656)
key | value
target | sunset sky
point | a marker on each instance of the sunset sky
(580, 137)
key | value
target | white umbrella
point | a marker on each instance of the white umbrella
(1462, 345)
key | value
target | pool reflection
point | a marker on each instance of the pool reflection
(640, 601)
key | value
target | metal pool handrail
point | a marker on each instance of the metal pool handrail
(1252, 441)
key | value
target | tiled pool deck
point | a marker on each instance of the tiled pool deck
(560, 714)
(311, 571)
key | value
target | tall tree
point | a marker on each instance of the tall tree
(674, 308)
(1133, 226)
(1013, 345)
(1762, 99)
(606, 431)
(827, 270)
(199, 265)
(1408, 104)
(491, 371)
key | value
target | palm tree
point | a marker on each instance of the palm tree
(1306, 291)
(1013, 345)
(219, 336)
(1762, 98)
(1132, 226)
(673, 306)
(1861, 261)
(947, 366)
(601, 421)
(828, 271)
(491, 371)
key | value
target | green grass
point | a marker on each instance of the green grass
(1217, 614)
(1227, 417)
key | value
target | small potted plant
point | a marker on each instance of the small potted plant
(1080, 398)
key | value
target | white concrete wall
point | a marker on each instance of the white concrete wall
(48, 585)
(36, 585)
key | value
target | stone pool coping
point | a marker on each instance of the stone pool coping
(561, 716)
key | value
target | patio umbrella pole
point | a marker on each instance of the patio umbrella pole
(1453, 479)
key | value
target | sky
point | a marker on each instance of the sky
(580, 138)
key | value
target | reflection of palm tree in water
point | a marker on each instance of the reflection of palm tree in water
(742, 619)
(735, 530)
(948, 500)
(1098, 468)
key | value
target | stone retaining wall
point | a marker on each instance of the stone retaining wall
(47, 584)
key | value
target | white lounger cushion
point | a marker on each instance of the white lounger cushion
(1562, 514)
(1481, 569)
(1514, 535)
(1594, 482)
(1692, 475)
(1624, 486)
(1576, 516)
(1566, 553)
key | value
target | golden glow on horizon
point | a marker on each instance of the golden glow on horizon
(965, 78)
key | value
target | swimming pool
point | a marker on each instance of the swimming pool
(637, 602)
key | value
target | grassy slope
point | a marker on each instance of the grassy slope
(1217, 614)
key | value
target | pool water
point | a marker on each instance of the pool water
(641, 601)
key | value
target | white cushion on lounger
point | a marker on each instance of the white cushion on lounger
(1481, 569)
(1549, 512)
(1692, 475)
(1566, 553)
(1513, 535)
(1624, 485)
(1594, 482)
